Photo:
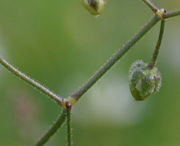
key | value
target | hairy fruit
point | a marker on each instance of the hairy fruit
(143, 81)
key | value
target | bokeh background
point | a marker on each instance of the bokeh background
(59, 44)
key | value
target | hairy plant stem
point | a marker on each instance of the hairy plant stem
(32, 82)
(151, 5)
(158, 45)
(78, 93)
(55, 126)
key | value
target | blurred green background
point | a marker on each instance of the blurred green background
(59, 44)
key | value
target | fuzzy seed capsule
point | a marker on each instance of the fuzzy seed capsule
(143, 81)
(95, 7)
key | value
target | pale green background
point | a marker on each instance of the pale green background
(61, 45)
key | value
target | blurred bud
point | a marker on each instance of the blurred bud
(95, 7)
(143, 81)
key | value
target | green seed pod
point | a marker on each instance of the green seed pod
(95, 7)
(143, 81)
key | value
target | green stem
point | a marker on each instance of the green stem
(158, 45)
(78, 93)
(69, 134)
(171, 14)
(151, 5)
(55, 126)
(32, 82)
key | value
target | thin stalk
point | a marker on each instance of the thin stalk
(53, 129)
(79, 92)
(171, 14)
(69, 133)
(32, 82)
(151, 5)
(158, 45)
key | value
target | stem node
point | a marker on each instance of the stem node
(161, 13)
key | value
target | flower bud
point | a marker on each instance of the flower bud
(143, 81)
(94, 6)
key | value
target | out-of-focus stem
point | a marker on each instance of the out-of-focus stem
(55, 126)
